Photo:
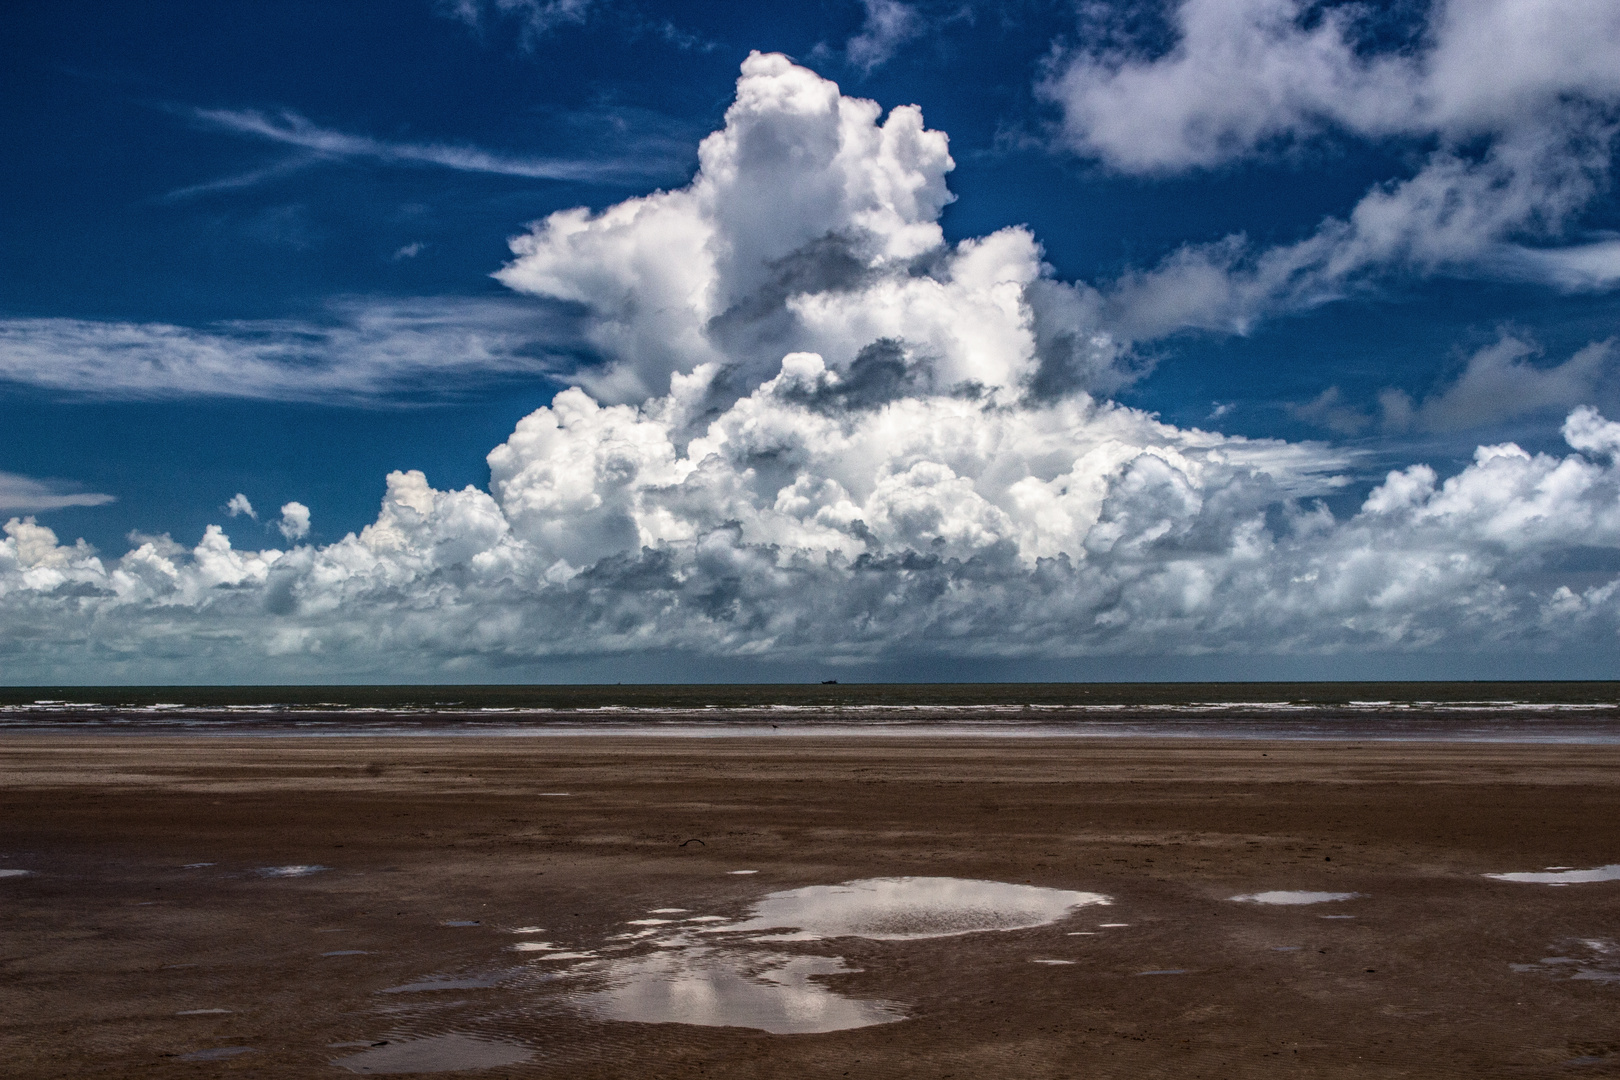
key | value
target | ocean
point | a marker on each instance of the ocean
(1518, 712)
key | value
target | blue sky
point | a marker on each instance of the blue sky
(253, 249)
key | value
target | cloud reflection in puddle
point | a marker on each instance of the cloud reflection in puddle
(908, 908)
(705, 970)
(718, 987)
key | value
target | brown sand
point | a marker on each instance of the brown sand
(109, 938)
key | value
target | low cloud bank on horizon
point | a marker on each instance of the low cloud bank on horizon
(826, 435)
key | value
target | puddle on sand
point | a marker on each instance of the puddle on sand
(1051, 961)
(1563, 876)
(708, 970)
(290, 871)
(908, 908)
(720, 988)
(712, 971)
(437, 1053)
(460, 922)
(1598, 961)
(548, 951)
(1290, 897)
(13, 873)
(219, 1053)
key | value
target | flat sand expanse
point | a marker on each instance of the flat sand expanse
(119, 950)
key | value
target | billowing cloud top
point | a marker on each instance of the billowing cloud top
(811, 226)
(822, 433)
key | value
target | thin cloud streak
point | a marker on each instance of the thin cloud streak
(24, 493)
(243, 180)
(365, 353)
(290, 129)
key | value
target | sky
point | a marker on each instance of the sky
(609, 340)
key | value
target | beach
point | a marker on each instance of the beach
(275, 906)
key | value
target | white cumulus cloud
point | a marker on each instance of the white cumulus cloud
(811, 226)
(294, 523)
(823, 434)
(1512, 104)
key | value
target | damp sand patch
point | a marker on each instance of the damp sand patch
(426, 986)
(437, 1053)
(218, 1053)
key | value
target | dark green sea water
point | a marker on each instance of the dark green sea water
(1489, 711)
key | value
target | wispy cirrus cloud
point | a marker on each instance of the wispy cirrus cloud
(243, 180)
(536, 18)
(889, 25)
(289, 128)
(362, 351)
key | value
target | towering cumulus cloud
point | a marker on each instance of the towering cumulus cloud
(812, 226)
(818, 432)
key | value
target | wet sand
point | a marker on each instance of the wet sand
(119, 951)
